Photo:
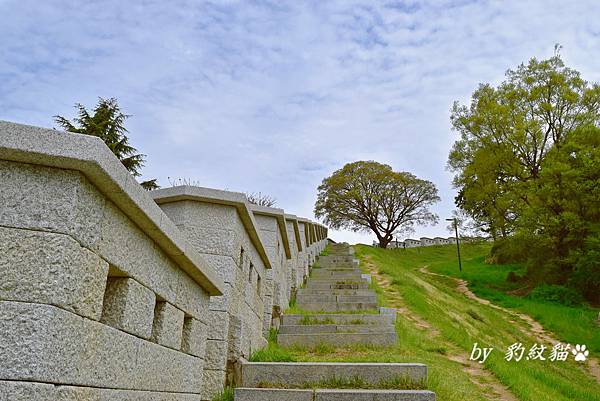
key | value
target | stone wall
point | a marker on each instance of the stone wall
(93, 298)
(273, 229)
(108, 296)
(249, 247)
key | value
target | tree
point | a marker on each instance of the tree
(506, 133)
(527, 168)
(366, 195)
(108, 123)
(261, 199)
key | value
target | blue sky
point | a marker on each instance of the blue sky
(273, 96)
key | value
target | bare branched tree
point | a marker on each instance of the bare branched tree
(261, 199)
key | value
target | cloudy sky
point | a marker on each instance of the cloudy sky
(273, 96)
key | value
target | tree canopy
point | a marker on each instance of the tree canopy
(366, 195)
(526, 168)
(107, 122)
(507, 132)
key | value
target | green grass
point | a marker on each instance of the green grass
(393, 383)
(225, 395)
(574, 325)
(459, 322)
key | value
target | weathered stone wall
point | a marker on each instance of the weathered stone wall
(273, 229)
(212, 222)
(294, 263)
(107, 296)
(89, 300)
(304, 254)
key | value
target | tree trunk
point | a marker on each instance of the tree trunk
(384, 242)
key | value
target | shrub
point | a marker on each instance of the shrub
(557, 294)
(509, 250)
(586, 275)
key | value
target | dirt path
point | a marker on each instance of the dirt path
(535, 330)
(492, 388)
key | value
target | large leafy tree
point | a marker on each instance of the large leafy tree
(366, 195)
(506, 133)
(107, 122)
(527, 166)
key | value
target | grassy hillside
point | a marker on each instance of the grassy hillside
(451, 322)
(438, 325)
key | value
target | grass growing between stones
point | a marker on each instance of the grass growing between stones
(395, 383)
(225, 395)
(294, 310)
(309, 320)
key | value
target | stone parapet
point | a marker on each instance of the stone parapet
(113, 292)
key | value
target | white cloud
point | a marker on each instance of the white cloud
(274, 96)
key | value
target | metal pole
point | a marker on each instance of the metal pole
(457, 244)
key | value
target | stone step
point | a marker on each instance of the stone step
(299, 374)
(313, 340)
(337, 258)
(273, 394)
(324, 264)
(310, 298)
(343, 318)
(341, 280)
(329, 291)
(318, 274)
(337, 284)
(342, 269)
(335, 328)
(336, 306)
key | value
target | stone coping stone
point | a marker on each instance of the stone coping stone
(385, 339)
(340, 318)
(335, 328)
(90, 156)
(373, 395)
(216, 196)
(296, 374)
(279, 214)
(294, 220)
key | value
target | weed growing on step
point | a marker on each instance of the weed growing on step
(294, 310)
(356, 382)
(225, 395)
(272, 352)
(309, 320)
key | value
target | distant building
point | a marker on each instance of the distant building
(441, 241)
(412, 243)
(396, 244)
(427, 241)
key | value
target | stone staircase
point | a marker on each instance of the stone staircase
(346, 310)
(345, 313)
